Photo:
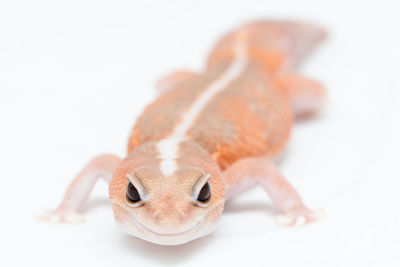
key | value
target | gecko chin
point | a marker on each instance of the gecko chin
(177, 233)
(135, 227)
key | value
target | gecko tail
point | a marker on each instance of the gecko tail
(280, 45)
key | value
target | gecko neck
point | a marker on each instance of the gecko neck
(169, 147)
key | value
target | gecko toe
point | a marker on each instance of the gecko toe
(283, 220)
(299, 217)
(74, 218)
(55, 219)
(61, 216)
(300, 221)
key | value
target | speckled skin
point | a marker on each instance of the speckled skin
(250, 117)
(166, 111)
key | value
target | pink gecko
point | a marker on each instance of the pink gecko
(208, 137)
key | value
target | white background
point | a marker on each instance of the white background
(74, 75)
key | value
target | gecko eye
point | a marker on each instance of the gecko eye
(132, 194)
(204, 194)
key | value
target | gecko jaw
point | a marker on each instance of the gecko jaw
(142, 226)
(139, 230)
(136, 228)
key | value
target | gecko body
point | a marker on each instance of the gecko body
(210, 136)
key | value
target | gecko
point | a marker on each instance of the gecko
(208, 137)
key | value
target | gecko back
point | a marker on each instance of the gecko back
(249, 112)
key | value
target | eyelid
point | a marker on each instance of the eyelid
(137, 183)
(199, 185)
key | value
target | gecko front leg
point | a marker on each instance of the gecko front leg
(80, 188)
(249, 172)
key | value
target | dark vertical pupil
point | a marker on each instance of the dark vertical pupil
(132, 194)
(205, 193)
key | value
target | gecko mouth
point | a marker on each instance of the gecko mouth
(136, 228)
(142, 226)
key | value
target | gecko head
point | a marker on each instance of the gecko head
(167, 208)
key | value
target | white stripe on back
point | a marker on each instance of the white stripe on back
(168, 148)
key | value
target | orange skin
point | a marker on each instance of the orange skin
(223, 128)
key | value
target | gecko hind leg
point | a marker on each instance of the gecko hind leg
(171, 80)
(78, 191)
(262, 171)
(306, 96)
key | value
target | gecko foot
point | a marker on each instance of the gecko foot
(61, 216)
(299, 217)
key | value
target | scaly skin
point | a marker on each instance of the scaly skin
(221, 128)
